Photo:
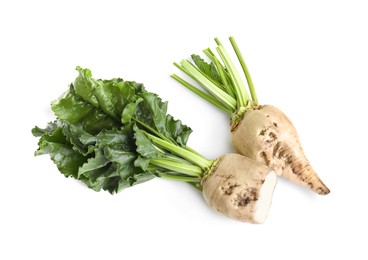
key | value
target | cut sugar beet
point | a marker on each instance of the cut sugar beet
(240, 188)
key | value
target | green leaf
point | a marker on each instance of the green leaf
(54, 143)
(115, 94)
(85, 85)
(145, 147)
(96, 121)
(97, 104)
(126, 169)
(70, 107)
(95, 167)
(111, 96)
(107, 104)
(142, 163)
(153, 113)
(120, 150)
(73, 109)
(129, 111)
(105, 161)
(82, 141)
(179, 132)
(48, 130)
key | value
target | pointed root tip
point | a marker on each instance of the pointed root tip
(322, 189)
(315, 183)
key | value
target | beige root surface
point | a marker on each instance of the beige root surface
(240, 188)
(268, 136)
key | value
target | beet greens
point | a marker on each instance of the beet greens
(113, 134)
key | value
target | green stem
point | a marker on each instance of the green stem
(245, 69)
(213, 80)
(152, 130)
(193, 151)
(178, 177)
(208, 85)
(174, 158)
(196, 185)
(190, 156)
(240, 90)
(187, 169)
(202, 94)
(227, 85)
(217, 41)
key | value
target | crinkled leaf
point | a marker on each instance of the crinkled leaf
(153, 112)
(104, 161)
(157, 111)
(129, 111)
(73, 109)
(179, 132)
(122, 138)
(95, 166)
(85, 85)
(96, 104)
(113, 167)
(142, 163)
(126, 168)
(107, 104)
(100, 173)
(145, 147)
(111, 96)
(97, 121)
(82, 141)
(48, 130)
(120, 157)
(119, 94)
(70, 107)
(119, 148)
(54, 143)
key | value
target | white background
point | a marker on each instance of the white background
(309, 58)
